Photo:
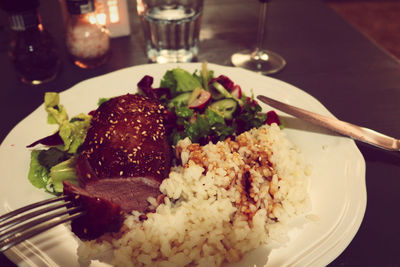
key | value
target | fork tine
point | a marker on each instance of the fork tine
(21, 236)
(31, 206)
(11, 221)
(29, 224)
(30, 220)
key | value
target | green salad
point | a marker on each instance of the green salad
(206, 108)
(50, 166)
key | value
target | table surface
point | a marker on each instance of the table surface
(353, 77)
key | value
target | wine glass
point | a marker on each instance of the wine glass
(259, 60)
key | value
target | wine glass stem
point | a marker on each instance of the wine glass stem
(261, 25)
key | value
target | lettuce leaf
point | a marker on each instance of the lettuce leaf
(169, 81)
(64, 170)
(56, 113)
(48, 168)
(38, 174)
(180, 81)
(73, 132)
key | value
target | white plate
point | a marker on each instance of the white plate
(337, 189)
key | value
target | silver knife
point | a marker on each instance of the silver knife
(356, 132)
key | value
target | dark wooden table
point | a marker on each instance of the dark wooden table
(356, 80)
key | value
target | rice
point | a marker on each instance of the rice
(224, 200)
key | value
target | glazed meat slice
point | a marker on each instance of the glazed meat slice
(101, 216)
(122, 162)
(129, 193)
(127, 138)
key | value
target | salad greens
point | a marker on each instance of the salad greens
(49, 167)
(180, 81)
(73, 131)
(208, 108)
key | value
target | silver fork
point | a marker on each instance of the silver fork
(33, 219)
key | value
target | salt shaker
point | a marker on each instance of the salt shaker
(32, 48)
(87, 41)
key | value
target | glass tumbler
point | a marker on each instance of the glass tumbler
(171, 29)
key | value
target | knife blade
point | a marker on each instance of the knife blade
(359, 133)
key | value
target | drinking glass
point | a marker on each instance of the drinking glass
(259, 60)
(171, 29)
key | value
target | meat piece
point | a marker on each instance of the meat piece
(129, 193)
(127, 138)
(122, 162)
(101, 215)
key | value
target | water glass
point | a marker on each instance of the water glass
(171, 29)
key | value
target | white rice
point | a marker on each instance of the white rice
(210, 215)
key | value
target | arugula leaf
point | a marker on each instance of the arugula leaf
(218, 127)
(214, 117)
(175, 136)
(198, 129)
(184, 112)
(251, 115)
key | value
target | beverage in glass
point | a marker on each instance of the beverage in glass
(171, 29)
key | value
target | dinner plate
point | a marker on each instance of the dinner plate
(337, 188)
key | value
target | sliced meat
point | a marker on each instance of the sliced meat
(129, 193)
(101, 216)
(122, 162)
(126, 138)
